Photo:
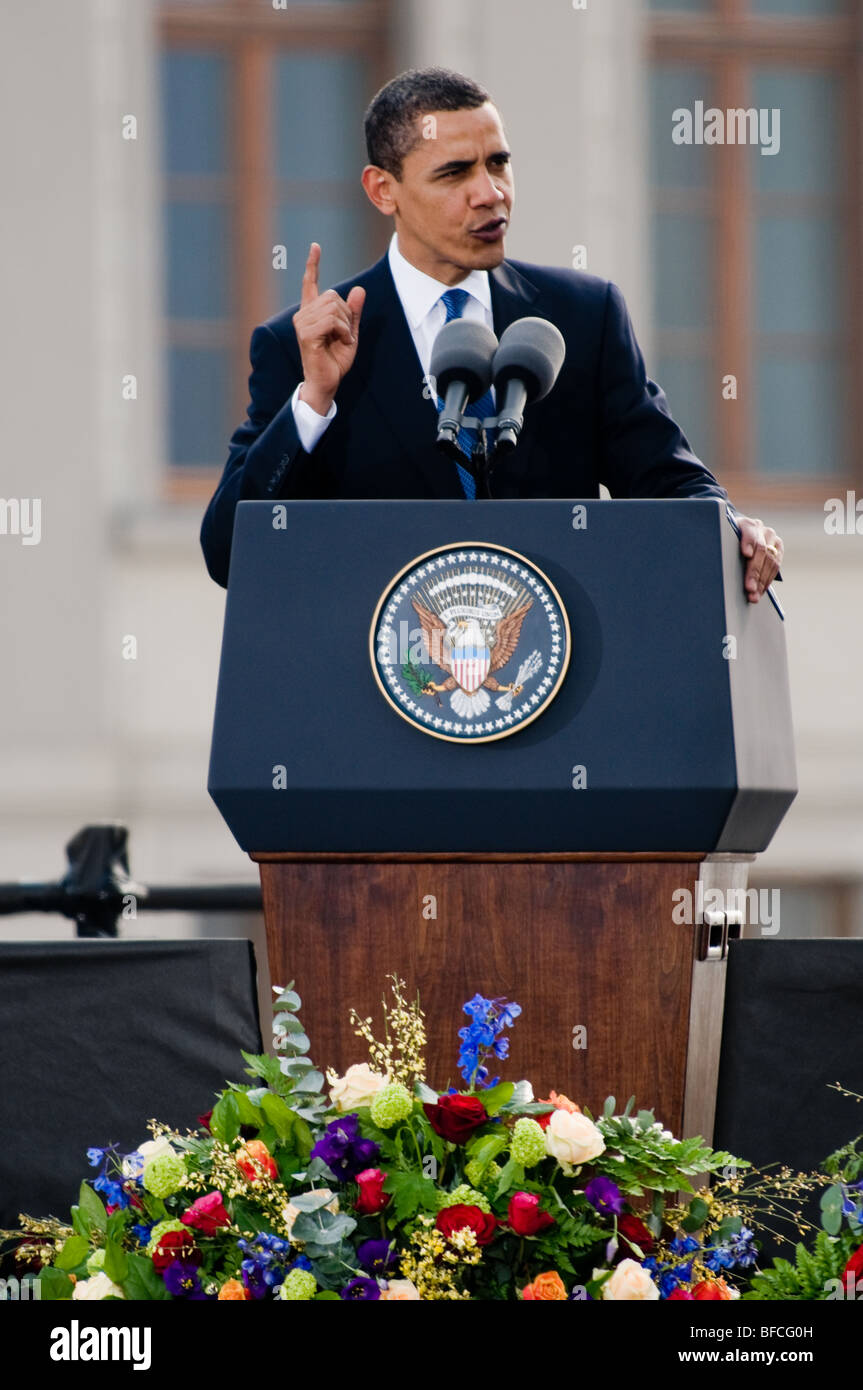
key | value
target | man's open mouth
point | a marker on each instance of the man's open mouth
(490, 230)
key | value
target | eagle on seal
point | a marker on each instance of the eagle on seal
(469, 654)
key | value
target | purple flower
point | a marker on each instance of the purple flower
(343, 1150)
(378, 1256)
(360, 1290)
(604, 1195)
(183, 1280)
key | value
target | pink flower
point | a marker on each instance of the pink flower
(207, 1214)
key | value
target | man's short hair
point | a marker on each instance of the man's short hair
(390, 121)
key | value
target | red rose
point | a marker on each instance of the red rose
(176, 1245)
(204, 1120)
(711, 1289)
(852, 1274)
(482, 1223)
(632, 1230)
(371, 1197)
(524, 1215)
(679, 1294)
(456, 1117)
(207, 1214)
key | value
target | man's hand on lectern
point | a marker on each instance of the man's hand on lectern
(327, 329)
(762, 548)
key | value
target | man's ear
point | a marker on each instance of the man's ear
(379, 187)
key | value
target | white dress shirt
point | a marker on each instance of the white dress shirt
(420, 297)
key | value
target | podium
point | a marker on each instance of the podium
(569, 862)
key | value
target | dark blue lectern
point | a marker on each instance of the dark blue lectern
(402, 825)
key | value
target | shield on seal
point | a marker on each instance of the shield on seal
(471, 657)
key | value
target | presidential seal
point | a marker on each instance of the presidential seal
(470, 642)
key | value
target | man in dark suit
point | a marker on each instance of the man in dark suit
(341, 402)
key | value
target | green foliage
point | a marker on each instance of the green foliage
(89, 1215)
(142, 1282)
(807, 1279)
(54, 1285)
(411, 1192)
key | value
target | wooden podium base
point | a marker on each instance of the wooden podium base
(615, 998)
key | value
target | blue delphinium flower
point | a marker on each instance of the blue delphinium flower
(95, 1157)
(343, 1149)
(483, 1037)
(264, 1268)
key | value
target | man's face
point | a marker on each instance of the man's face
(453, 202)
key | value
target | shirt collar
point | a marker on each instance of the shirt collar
(419, 292)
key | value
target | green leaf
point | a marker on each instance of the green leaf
(142, 1283)
(511, 1174)
(249, 1113)
(90, 1210)
(629, 1104)
(73, 1252)
(410, 1193)
(698, 1210)
(497, 1096)
(279, 1114)
(831, 1210)
(488, 1146)
(311, 1201)
(288, 999)
(116, 1264)
(54, 1285)
(608, 1108)
(225, 1119)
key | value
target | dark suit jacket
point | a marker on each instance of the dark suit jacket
(603, 422)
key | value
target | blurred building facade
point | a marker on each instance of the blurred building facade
(166, 149)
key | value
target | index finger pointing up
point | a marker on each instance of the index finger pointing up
(310, 290)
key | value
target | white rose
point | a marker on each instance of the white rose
(572, 1138)
(357, 1087)
(629, 1282)
(400, 1291)
(98, 1287)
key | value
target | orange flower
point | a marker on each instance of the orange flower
(546, 1287)
(255, 1161)
(564, 1103)
(233, 1290)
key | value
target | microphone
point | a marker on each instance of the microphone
(526, 366)
(461, 366)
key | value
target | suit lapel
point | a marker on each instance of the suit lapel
(391, 373)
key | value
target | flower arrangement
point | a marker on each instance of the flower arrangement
(373, 1186)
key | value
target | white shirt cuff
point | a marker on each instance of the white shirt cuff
(310, 425)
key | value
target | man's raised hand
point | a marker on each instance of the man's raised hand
(327, 329)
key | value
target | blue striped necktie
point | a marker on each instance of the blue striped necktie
(454, 302)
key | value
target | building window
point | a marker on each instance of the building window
(262, 147)
(757, 263)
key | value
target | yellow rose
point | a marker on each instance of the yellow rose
(572, 1139)
(630, 1282)
(357, 1087)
